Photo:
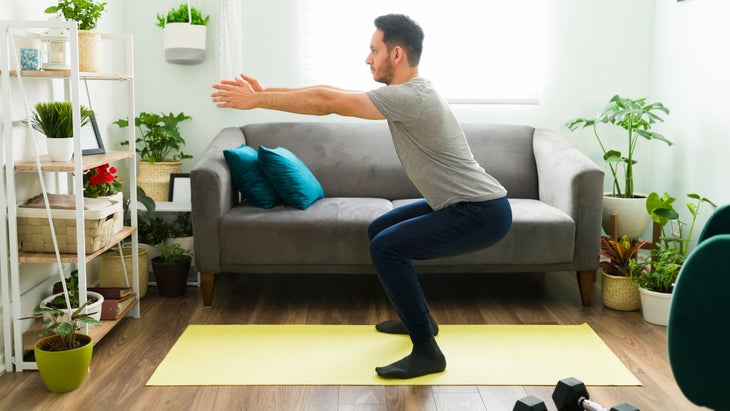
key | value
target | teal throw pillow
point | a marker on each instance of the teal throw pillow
(290, 176)
(249, 178)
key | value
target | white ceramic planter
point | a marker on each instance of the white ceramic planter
(94, 308)
(60, 149)
(633, 219)
(655, 306)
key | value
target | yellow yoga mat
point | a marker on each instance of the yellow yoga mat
(348, 355)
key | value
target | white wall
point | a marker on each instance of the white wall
(691, 66)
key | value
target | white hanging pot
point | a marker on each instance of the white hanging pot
(60, 149)
(184, 43)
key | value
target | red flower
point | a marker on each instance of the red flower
(101, 181)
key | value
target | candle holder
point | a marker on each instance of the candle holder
(56, 47)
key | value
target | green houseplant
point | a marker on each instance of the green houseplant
(636, 117)
(159, 144)
(656, 283)
(183, 34)
(63, 356)
(58, 299)
(181, 15)
(87, 14)
(55, 120)
(618, 266)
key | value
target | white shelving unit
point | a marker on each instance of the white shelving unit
(11, 259)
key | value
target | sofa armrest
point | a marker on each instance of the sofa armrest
(570, 181)
(212, 195)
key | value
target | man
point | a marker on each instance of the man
(464, 208)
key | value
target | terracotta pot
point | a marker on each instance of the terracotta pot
(63, 371)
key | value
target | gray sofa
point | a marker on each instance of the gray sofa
(555, 192)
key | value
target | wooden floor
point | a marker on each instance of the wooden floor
(127, 357)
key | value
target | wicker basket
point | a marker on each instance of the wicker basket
(34, 232)
(154, 178)
(111, 273)
(89, 51)
(618, 293)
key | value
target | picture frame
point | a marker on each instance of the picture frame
(91, 142)
(179, 188)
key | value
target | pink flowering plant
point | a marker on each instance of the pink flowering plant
(101, 181)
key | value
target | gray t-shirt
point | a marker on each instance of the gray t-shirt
(431, 145)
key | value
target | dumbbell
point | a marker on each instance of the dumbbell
(571, 395)
(530, 403)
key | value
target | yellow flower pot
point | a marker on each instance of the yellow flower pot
(63, 371)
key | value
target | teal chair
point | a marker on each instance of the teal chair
(698, 330)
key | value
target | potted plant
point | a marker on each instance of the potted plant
(618, 267)
(86, 13)
(55, 120)
(636, 118)
(183, 34)
(102, 182)
(58, 299)
(160, 148)
(64, 355)
(656, 284)
(171, 269)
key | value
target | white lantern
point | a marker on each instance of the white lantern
(56, 49)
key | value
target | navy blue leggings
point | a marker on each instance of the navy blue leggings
(416, 232)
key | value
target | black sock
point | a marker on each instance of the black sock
(425, 358)
(398, 327)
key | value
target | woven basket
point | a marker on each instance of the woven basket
(154, 178)
(34, 233)
(111, 273)
(619, 294)
(89, 51)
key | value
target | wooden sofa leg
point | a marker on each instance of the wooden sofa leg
(207, 282)
(585, 286)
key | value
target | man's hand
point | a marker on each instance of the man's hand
(237, 93)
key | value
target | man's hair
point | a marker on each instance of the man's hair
(401, 30)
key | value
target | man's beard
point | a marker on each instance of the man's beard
(385, 73)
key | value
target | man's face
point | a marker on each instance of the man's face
(379, 59)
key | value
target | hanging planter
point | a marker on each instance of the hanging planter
(183, 34)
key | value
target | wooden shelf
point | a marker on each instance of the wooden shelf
(97, 333)
(89, 161)
(64, 74)
(25, 257)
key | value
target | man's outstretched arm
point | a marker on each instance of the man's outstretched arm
(245, 93)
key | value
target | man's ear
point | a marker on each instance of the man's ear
(398, 54)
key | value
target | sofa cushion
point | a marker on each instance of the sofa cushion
(330, 231)
(249, 178)
(290, 176)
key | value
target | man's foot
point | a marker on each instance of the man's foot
(398, 327)
(424, 359)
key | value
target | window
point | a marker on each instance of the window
(475, 51)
